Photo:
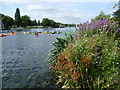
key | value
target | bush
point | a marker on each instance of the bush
(91, 59)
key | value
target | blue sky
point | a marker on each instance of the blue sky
(65, 12)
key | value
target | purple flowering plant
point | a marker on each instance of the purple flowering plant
(92, 28)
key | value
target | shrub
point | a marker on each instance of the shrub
(91, 59)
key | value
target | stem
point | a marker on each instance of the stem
(98, 82)
(88, 82)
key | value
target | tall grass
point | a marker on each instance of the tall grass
(88, 58)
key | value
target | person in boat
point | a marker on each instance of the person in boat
(36, 34)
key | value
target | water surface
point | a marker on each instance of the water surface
(24, 59)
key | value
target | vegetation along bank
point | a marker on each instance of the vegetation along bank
(88, 57)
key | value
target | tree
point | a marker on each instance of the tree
(7, 21)
(101, 16)
(48, 22)
(25, 21)
(45, 22)
(52, 23)
(17, 17)
(117, 13)
(34, 23)
(38, 22)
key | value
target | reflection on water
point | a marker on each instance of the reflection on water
(24, 59)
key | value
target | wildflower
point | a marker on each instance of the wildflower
(118, 30)
(75, 36)
(111, 23)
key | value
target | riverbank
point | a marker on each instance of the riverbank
(87, 58)
(29, 27)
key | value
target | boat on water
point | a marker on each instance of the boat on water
(13, 33)
(39, 32)
(56, 32)
(3, 35)
(46, 32)
(36, 34)
(33, 33)
(27, 32)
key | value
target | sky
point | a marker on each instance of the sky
(64, 11)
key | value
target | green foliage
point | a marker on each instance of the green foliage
(101, 16)
(71, 25)
(47, 22)
(58, 46)
(17, 17)
(25, 21)
(38, 22)
(7, 21)
(89, 61)
(51, 23)
(116, 14)
(34, 23)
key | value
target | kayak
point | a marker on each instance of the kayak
(33, 33)
(56, 32)
(26, 32)
(36, 34)
(46, 32)
(39, 32)
(12, 33)
(3, 35)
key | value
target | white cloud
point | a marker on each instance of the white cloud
(58, 12)
(62, 12)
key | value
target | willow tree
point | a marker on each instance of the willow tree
(17, 17)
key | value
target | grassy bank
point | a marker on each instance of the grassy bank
(87, 58)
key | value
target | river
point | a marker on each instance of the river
(24, 56)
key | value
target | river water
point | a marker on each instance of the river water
(24, 56)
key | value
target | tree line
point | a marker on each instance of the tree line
(24, 21)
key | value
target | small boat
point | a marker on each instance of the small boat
(39, 32)
(24, 32)
(13, 33)
(36, 34)
(33, 33)
(46, 32)
(3, 35)
(53, 33)
(56, 32)
(27, 32)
